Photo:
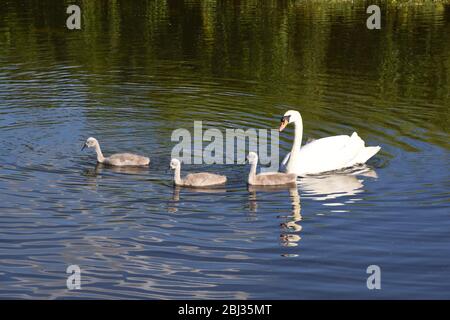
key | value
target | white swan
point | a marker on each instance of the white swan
(326, 154)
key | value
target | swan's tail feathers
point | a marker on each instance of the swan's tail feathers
(355, 137)
(356, 141)
(366, 154)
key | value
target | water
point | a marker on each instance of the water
(134, 73)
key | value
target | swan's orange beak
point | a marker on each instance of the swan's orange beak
(283, 124)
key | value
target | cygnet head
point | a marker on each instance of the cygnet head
(252, 158)
(289, 117)
(174, 163)
(90, 143)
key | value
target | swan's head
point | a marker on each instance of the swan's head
(289, 117)
(90, 143)
(252, 158)
(174, 163)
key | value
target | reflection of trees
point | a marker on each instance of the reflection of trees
(278, 44)
(272, 40)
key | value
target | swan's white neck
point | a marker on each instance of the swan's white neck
(177, 175)
(252, 173)
(100, 157)
(298, 135)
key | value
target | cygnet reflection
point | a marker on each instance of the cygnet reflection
(174, 202)
(289, 236)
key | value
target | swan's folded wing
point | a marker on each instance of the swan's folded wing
(204, 179)
(274, 178)
(127, 159)
(329, 153)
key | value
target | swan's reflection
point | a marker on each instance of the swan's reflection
(322, 187)
(335, 185)
(92, 174)
(291, 237)
(173, 204)
(117, 169)
(253, 203)
(291, 228)
(91, 178)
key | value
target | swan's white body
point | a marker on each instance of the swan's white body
(326, 154)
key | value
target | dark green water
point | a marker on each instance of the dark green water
(140, 69)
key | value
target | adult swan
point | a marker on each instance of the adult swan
(326, 154)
